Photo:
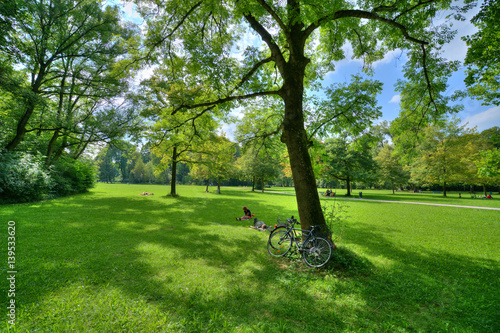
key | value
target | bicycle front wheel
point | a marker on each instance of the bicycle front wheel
(316, 252)
(279, 243)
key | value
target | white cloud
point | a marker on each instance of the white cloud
(457, 48)
(130, 13)
(484, 120)
(144, 74)
(395, 99)
(391, 56)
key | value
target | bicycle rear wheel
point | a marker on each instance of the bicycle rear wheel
(316, 252)
(279, 243)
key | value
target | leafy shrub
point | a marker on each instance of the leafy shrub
(71, 177)
(335, 213)
(23, 178)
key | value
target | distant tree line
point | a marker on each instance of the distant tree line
(446, 157)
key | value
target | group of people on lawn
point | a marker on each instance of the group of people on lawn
(259, 225)
(329, 193)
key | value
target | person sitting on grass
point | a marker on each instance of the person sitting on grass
(146, 193)
(258, 225)
(248, 215)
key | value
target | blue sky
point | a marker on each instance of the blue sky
(389, 70)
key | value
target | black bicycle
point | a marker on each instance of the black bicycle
(316, 250)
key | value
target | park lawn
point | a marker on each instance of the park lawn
(113, 261)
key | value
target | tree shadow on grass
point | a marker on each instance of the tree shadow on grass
(429, 290)
(132, 244)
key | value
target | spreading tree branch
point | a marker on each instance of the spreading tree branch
(224, 100)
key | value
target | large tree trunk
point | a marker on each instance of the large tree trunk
(50, 148)
(174, 172)
(295, 137)
(21, 127)
(294, 134)
(30, 107)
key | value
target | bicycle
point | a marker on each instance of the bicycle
(316, 250)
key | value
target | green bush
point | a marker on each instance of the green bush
(71, 177)
(23, 178)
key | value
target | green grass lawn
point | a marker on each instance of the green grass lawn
(113, 261)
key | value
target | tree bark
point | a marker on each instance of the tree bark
(295, 137)
(50, 148)
(174, 172)
(30, 107)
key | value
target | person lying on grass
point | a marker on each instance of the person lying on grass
(248, 215)
(146, 193)
(258, 225)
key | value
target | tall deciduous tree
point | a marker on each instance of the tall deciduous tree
(390, 168)
(106, 164)
(348, 160)
(488, 168)
(172, 136)
(302, 39)
(260, 165)
(214, 159)
(69, 51)
(440, 155)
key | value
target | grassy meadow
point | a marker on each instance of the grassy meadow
(113, 261)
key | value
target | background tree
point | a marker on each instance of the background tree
(347, 161)
(302, 40)
(69, 51)
(172, 136)
(138, 173)
(216, 157)
(439, 159)
(492, 136)
(390, 169)
(106, 165)
(260, 165)
(488, 167)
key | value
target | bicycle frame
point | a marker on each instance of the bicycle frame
(315, 250)
(291, 233)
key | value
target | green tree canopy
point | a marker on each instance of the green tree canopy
(69, 55)
(301, 41)
(390, 168)
(483, 54)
